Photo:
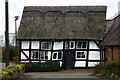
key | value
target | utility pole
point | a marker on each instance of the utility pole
(6, 33)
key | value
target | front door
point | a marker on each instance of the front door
(68, 60)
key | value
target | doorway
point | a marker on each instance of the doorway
(68, 60)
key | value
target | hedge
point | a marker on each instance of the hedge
(47, 66)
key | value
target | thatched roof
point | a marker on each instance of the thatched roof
(62, 22)
(112, 38)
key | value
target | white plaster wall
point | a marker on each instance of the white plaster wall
(49, 55)
(60, 63)
(35, 61)
(92, 64)
(35, 45)
(43, 61)
(93, 45)
(58, 45)
(80, 63)
(94, 55)
(25, 61)
(23, 56)
(25, 45)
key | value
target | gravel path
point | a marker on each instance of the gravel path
(78, 74)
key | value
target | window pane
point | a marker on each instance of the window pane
(42, 55)
(83, 55)
(34, 54)
(72, 45)
(59, 55)
(79, 44)
(46, 45)
(78, 55)
(54, 55)
(84, 45)
(67, 45)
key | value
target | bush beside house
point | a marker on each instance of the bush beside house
(12, 72)
(110, 69)
(42, 67)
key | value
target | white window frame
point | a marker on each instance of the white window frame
(57, 56)
(70, 45)
(84, 53)
(48, 43)
(81, 45)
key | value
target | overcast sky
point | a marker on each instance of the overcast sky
(16, 8)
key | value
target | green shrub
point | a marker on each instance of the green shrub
(42, 67)
(12, 53)
(110, 69)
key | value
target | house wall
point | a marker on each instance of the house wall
(92, 52)
(113, 53)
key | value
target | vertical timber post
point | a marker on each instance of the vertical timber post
(6, 33)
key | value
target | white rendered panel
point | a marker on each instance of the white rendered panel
(35, 45)
(25, 61)
(92, 64)
(93, 45)
(23, 56)
(35, 61)
(94, 55)
(49, 55)
(25, 45)
(80, 63)
(58, 45)
(60, 63)
(43, 61)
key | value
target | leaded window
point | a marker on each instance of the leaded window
(80, 54)
(57, 55)
(34, 54)
(44, 55)
(81, 44)
(46, 45)
(69, 45)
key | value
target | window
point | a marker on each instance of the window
(34, 54)
(57, 55)
(69, 45)
(80, 54)
(44, 55)
(81, 44)
(46, 45)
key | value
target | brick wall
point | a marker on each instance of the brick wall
(114, 53)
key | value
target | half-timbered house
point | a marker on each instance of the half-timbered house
(70, 34)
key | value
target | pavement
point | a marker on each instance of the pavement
(77, 74)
